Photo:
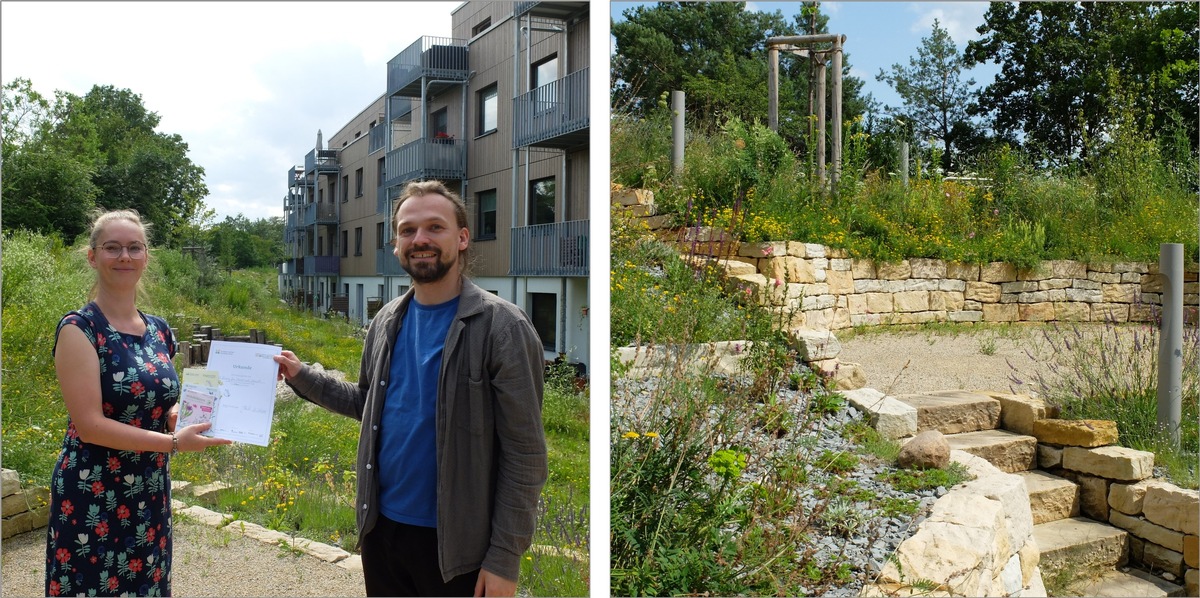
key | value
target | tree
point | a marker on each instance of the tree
(239, 242)
(1057, 61)
(934, 94)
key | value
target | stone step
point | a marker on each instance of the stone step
(1050, 497)
(1131, 583)
(1080, 548)
(954, 411)
(1007, 451)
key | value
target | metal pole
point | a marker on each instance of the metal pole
(677, 132)
(821, 119)
(837, 111)
(904, 163)
(1170, 340)
(773, 88)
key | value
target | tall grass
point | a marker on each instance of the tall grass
(303, 482)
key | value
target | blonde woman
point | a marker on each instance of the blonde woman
(110, 505)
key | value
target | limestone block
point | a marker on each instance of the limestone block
(1007, 451)
(1036, 312)
(1049, 456)
(965, 316)
(206, 516)
(1153, 283)
(1104, 277)
(1164, 559)
(258, 532)
(857, 304)
(843, 375)
(796, 249)
(1120, 293)
(325, 552)
(1024, 286)
(841, 320)
(26, 521)
(633, 197)
(1009, 579)
(799, 270)
(1128, 498)
(10, 482)
(1093, 495)
(837, 253)
(1034, 297)
(1148, 531)
(866, 320)
(1069, 311)
(945, 300)
(819, 319)
(889, 417)
(351, 563)
(763, 249)
(1131, 278)
(1173, 507)
(1089, 545)
(1050, 497)
(997, 272)
(735, 268)
(1055, 283)
(1030, 557)
(894, 271)
(1138, 267)
(1144, 313)
(962, 271)
(1137, 549)
(995, 312)
(814, 250)
(207, 493)
(815, 345)
(862, 268)
(869, 285)
(880, 303)
(1191, 551)
(1008, 297)
(919, 317)
(1018, 412)
(810, 303)
(1112, 462)
(1010, 491)
(1110, 312)
(911, 301)
(1078, 432)
(819, 263)
(954, 411)
(927, 268)
(927, 450)
(658, 222)
(948, 284)
(975, 465)
(840, 282)
(1191, 581)
(840, 264)
(984, 292)
(1063, 269)
(182, 487)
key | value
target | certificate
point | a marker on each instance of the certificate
(247, 393)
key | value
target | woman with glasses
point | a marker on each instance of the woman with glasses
(110, 499)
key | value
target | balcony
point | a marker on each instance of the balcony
(442, 159)
(554, 10)
(384, 196)
(558, 249)
(386, 263)
(320, 213)
(440, 58)
(321, 160)
(321, 265)
(554, 115)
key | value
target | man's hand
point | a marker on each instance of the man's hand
(490, 584)
(289, 364)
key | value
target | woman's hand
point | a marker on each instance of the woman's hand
(172, 417)
(289, 364)
(190, 439)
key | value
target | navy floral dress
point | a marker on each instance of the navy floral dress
(110, 510)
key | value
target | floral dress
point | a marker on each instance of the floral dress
(110, 510)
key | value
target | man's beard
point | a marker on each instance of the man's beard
(425, 272)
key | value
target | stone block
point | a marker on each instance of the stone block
(1008, 297)
(1153, 283)
(1120, 293)
(1024, 286)
(866, 320)
(880, 303)
(1075, 432)
(889, 417)
(813, 250)
(862, 268)
(1034, 297)
(1008, 452)
(736, 268)
(1063, 269)
(1093, 495)
(843, 375)
(351, 563)
(840, 264)
(1010, 491)
(809, 303)
(1050, 497)
(962, 271)
(949, 284)
(1018, 411)
(840, 282)
(869, 285)
(927, 450)
(1191, 551)
(1173, 507)
(763, 249)
(799, 270)
(206, 516)
(945, 300)
(1049, 457)
(995, 312)
(965, 316)
(1030, 557)
(1036, 312)
(320, 550)
(10, 482)
(1128, 498)
(911, 301)
(1163, 559)
(984, 292)
(954, 411)
(1055, 283)
(1137, 549)
(1144, 313)
(857, 304)
(633, 197)
(919, 317)
(1191, 581)
(1069, 311)
(1110, 312)
(1085, 295)
(1104, 277)
(1112, 462)
(997, 272)
(1148, 531)
(927, 268)
(894, 271)
(1089, 546)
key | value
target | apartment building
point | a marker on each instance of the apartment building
(498, 111)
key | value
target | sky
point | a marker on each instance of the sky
(880, 34)
(245, 84)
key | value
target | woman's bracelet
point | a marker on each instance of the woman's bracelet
(174, 444)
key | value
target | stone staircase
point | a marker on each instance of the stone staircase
(1070, 469)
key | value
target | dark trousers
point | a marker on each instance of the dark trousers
(401, 560)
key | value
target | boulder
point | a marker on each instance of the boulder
(1086, 433)
(927, 450)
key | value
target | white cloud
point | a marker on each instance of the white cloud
(959, 19)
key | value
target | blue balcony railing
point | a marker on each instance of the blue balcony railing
(320, 213)
(436, 58)
(321, 160)
(553, 115)
(426, 159)
(558, 249)
(322, 265)
(386, 263)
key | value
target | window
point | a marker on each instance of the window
(358, 240)
(358, 183)
(489, 109)
(541, 201)
(345, 243)
(481, 27)
(487, 215)
(439, 124)
(379, 241)
(543, 308)
(345, 188)
(544, 73)
(382, 173)
(320, 195)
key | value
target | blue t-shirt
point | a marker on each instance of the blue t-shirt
(407, 458)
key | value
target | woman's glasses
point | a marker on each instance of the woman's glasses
(136, 251)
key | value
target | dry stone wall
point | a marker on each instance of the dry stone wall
(25, 509)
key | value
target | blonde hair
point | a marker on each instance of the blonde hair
(100, 220)
(434, 187)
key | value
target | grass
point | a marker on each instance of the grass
(303, 482)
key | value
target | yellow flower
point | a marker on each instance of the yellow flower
(630, 435)
(651, 434)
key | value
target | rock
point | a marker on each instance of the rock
(1173, 507)
(1112, 462)
(1049, 457)
(1191, 551)
(1155, 534)
(1127, 498)
(815, 345)
(1086, 433)
(927, 450)
(10, 482)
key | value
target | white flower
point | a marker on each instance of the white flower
(129, 478)
(119, 376)
(83, 538)
(83, 475)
